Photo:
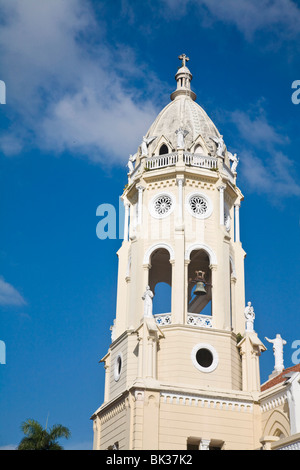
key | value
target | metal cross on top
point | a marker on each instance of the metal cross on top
(184, 59)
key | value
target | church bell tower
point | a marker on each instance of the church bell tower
(181, 372)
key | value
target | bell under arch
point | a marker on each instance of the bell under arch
(199, 283)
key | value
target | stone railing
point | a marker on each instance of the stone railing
(228, 173)
(191, 159)
(287, 443)
(196, 319)
(163, 319)
(201, 161)
(161, 161)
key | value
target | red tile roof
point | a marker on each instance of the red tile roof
(280, 377)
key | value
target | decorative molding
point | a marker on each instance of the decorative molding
(163, 319)
(293, 446)
(206, 402)
(156, 246)
(197, 319)
(201, 246)
(162, 205)
(201, 200)
(118, 408)
(274, 402)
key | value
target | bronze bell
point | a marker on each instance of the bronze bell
(200, 288)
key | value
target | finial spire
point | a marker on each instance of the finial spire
(184, 59)
(183, 78)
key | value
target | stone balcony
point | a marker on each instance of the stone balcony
(191, 160)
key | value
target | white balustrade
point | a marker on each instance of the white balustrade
(192, 159)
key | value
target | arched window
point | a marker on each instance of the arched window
(199, 149)
(163, 149)
(160, 280)
(201, 302)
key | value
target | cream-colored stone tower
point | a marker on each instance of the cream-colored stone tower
(188, 377)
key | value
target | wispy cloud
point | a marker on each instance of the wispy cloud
(281, 17)
(256, 129)
(265, 164)
(273, 176)
(66, 88)
(9, 296)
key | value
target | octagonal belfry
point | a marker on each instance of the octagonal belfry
(177, 374)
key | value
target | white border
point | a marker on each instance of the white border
(209, 205)
(151, 205)
(117, 374)
(214, 353)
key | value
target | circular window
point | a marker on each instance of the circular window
(161, 205)
(118, 367)
(205, 357)
(199, 205)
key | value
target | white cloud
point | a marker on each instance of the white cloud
(256, 129)
(281, 17)
(70, 92)
(263, 164)
(272, 177)
(9, 296)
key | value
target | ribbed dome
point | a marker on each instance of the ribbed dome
(183, 112)
(186, 113)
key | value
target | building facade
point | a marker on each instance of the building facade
(182, 370)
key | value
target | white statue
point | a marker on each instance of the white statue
(181, 134)
(278, 343)
(233, 158)
(148, 304)
(250, 317)
(132, 159)
(220, 145)
(144, 145)
(113, 331)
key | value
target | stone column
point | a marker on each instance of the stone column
(140, 204)
(126, 221)
(180, 181)
(221, 189)
(237, 222)
(214, 295)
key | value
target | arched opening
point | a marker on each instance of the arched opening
(199, 293)
(163, 149)
(160, 280)
(199, 149)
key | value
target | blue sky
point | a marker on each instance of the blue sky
(84, 81)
